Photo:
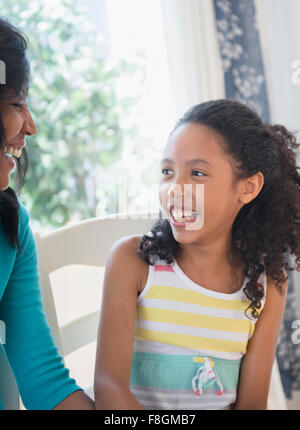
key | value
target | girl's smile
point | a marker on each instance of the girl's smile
(181, 216)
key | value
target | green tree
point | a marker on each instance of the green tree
(73, 102)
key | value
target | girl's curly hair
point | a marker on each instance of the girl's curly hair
(265, 230)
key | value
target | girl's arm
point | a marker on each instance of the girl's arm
(116, 330)
(256, 368)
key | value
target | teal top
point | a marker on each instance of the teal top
(43, 381)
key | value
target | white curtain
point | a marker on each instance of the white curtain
(278, 24)
(194, 61)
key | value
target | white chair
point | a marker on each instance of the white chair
(88, 243)
(9, 395)
(276, 399)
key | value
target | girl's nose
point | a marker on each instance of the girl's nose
(179, 190)
(180, 195)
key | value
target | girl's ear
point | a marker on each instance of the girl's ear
(251, 188)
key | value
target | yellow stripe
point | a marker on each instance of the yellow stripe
(162, 292)
(252, 328)
(192, 342)
(193, 320)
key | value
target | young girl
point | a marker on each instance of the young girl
(191, 316)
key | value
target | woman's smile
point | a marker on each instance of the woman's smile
(8, 154)
(12, 150)
(6, 160)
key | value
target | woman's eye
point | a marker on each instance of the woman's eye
(19, 105)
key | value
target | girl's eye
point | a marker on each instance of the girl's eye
(201, 173)
(163, 170)
(194, 171)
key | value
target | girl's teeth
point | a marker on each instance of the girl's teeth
(186, 218)
(178, 215)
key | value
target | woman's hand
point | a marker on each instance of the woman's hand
(78, 400)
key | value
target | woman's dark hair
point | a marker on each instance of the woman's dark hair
(13, 54)
(268, 227)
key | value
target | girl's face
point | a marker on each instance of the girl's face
(17, 122)
(216, 201)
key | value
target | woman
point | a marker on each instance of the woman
(43, 381)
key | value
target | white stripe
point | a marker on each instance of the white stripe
(205, 398)
(163, 348)
(173, 279)
(172, 390)
(194, 309)
(192, 331)
(182, 405)
(170, 279)
(185, 396)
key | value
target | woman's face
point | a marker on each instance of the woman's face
(215, 199)
(17, 122)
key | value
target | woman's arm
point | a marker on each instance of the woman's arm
(116, 329)
(257, 364)
(43, 380)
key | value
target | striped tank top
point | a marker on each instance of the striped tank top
(189, 341)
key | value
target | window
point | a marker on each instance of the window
(101, 99)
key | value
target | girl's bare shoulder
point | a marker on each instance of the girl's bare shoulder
(126, 248)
